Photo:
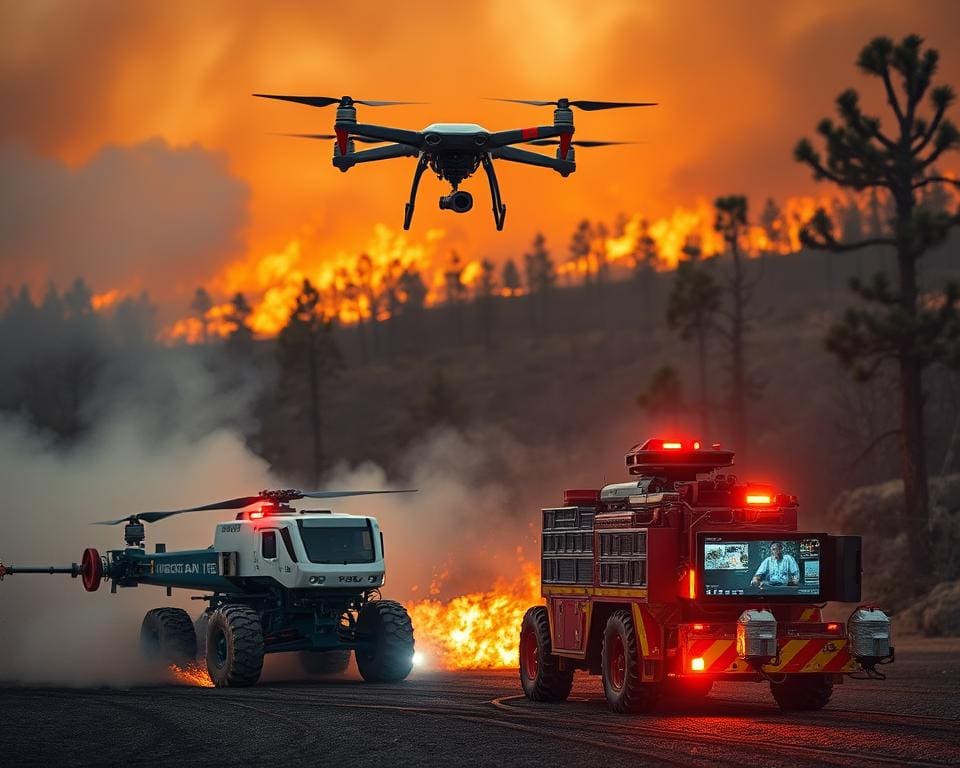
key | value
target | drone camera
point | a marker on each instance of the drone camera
(459, 202)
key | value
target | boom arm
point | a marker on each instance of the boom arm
(520, 135)
(345, 162)
(514, 155)
(383, 133)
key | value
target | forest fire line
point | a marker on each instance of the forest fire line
(395, 273)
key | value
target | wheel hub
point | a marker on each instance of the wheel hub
(530, 656)
(617, 664)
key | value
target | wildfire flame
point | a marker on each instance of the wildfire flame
(192, 674)
(480, 630)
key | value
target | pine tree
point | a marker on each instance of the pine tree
(540, 279)
(308, 356)
(896, 323)
(510, 277)
(485, 298)
(691, 308)
(200, 306)
(580, 246)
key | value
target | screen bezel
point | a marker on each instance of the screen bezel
(825, 566)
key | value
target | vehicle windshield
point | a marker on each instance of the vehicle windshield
(338, 544)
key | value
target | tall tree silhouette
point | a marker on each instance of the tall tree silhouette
(691, 309)
(240, 335)
(308, 356)
(581, 243)
(540, 279)
(485, 298)
(510, 277)
(895, 323)
(731, 223)
(200, 307)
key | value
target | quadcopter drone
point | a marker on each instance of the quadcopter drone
(454, 151)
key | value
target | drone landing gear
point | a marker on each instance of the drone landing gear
(499, 209)
(408, 209)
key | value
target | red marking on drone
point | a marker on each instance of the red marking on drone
(565, 139)
(529, 133)
(341, 139)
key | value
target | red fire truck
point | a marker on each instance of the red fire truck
(684, 576)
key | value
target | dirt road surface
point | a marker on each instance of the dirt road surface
(480, 719)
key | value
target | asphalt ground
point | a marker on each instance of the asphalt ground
(481, 719)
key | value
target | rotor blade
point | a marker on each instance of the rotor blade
(581, 143)
(525, 101)
(342, 494)
(360, 139)
(113, 522)
(310, 101)
(588, 106)
(238, 503)
(326, 101)
(591, 106)
(372, 103)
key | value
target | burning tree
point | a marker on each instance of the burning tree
(894, 323)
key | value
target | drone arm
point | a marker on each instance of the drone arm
(514, 155)
(344, 162)
(520, 135)
(408, 209)
(383, 133)
(499, 209)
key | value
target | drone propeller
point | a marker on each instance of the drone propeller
(245, 501)
(587, 106)
(326, 101)
(581, 143)
(328, 136)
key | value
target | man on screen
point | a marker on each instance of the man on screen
(778, 570)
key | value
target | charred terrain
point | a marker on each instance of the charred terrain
(481, 718)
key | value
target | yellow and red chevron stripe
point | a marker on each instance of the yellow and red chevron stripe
(796, 655)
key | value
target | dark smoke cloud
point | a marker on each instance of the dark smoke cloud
(145, 217)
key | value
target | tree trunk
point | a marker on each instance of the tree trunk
(738, 404)
(315, 425)
(702, 365)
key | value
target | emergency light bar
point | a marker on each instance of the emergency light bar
(677, 459)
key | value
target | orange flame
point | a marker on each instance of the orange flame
(480, 630)
(192, 674)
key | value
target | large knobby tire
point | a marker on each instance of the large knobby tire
(541, 675)
(234, 646)
(387, 656)
(802, 693)
(621, 663)
(167, 636)
(324, 662)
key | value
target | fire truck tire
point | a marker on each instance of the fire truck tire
(324, 662)
(802, 693)
(621, 663)
(234, 646)
(167, 636)
(540, 673)
(389, 657)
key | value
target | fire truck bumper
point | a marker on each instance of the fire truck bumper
(801, 649)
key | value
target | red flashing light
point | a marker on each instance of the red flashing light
(696, 445)
(672, 446)
(698, 627)
(256, 515)
(833, 627)
(692, 584)
(697, 664)
(759, 498)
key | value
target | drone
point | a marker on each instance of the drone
(454, 151)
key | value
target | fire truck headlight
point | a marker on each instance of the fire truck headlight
(373, 579)
(317, 579)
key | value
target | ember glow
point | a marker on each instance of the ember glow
(192, 674)
(479, 630)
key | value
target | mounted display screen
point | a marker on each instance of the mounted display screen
(770, 566)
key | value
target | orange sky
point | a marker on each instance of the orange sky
(738, 83)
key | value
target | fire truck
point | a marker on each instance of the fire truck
(685, 576)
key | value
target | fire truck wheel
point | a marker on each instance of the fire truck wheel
(621, 664)
(803, 692)
(234, 646)
(540, 673)
(167, 636)
(389, 656)
(324, 662)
